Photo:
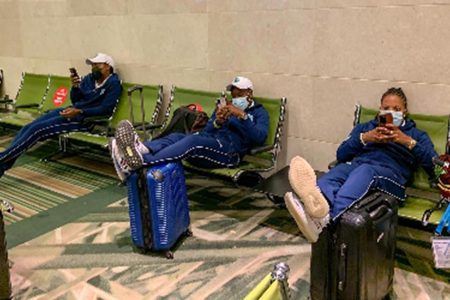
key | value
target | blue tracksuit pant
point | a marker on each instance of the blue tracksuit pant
(44, 127)
(201, 150)
(347, 183)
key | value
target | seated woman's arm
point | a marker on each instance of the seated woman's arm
(353, 144)
(424, 152)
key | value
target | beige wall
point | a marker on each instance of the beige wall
(324, 55)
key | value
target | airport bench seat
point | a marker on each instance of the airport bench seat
(26, 105)
(260, 159)
(421, 196)
(130, 108)
(36, 96)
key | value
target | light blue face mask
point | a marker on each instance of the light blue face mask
(240, 102)
(397, 116)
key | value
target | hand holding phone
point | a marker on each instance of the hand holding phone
(73, 72)
(74, 77)
(222, 101)
(384, 119)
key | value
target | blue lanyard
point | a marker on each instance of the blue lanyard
(444, 221)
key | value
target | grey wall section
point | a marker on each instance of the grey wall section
(324, 55)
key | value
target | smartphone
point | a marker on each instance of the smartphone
(384, 119)
(73, 72)
(222, 101)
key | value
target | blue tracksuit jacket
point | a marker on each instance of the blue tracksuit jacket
(242, 134)
(383, 166)
(96, 102)
(391, 154)
(213, 147)
(93, 102)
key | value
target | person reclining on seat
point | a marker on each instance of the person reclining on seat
(96, 95)
(229, 134)
(372, 157)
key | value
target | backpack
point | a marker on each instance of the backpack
(443, 173)
(186, 119)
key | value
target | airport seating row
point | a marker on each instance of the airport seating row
(39, 93)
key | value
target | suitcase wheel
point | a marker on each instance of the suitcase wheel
(189, 232)
(169, 254)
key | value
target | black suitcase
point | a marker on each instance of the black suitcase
(354, 258)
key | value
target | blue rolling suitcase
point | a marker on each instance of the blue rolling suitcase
(158, 207)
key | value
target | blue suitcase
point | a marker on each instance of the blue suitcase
(158, 207)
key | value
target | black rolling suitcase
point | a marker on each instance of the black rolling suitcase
(354, 258)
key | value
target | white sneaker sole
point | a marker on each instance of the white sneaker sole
(120, 174)
(125, 135)
(303, 181)
(300, 218)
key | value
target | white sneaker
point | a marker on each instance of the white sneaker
(310, 227)
(122, 170)
(126, 139)
(303, 181)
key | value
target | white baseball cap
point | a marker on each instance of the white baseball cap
(240, 82)
(101, 58)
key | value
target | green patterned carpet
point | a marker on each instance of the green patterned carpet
(69, 239)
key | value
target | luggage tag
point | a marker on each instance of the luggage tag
(441, 251)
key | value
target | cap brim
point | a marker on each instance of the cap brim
(229, 87)
(90, 61)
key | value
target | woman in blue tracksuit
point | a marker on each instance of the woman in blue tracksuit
(229, 134)
(373, 156)
(96, 95)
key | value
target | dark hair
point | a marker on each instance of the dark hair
(396, 92)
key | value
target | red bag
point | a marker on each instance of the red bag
(444, 176)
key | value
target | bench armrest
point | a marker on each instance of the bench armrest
(264, 148)
(134, 88)
(96, 120)
(147, 126)
(31, 105)
(98, 125)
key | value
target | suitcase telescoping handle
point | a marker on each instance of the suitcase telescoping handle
(379, 212)
(131, 90)
(367, 200)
